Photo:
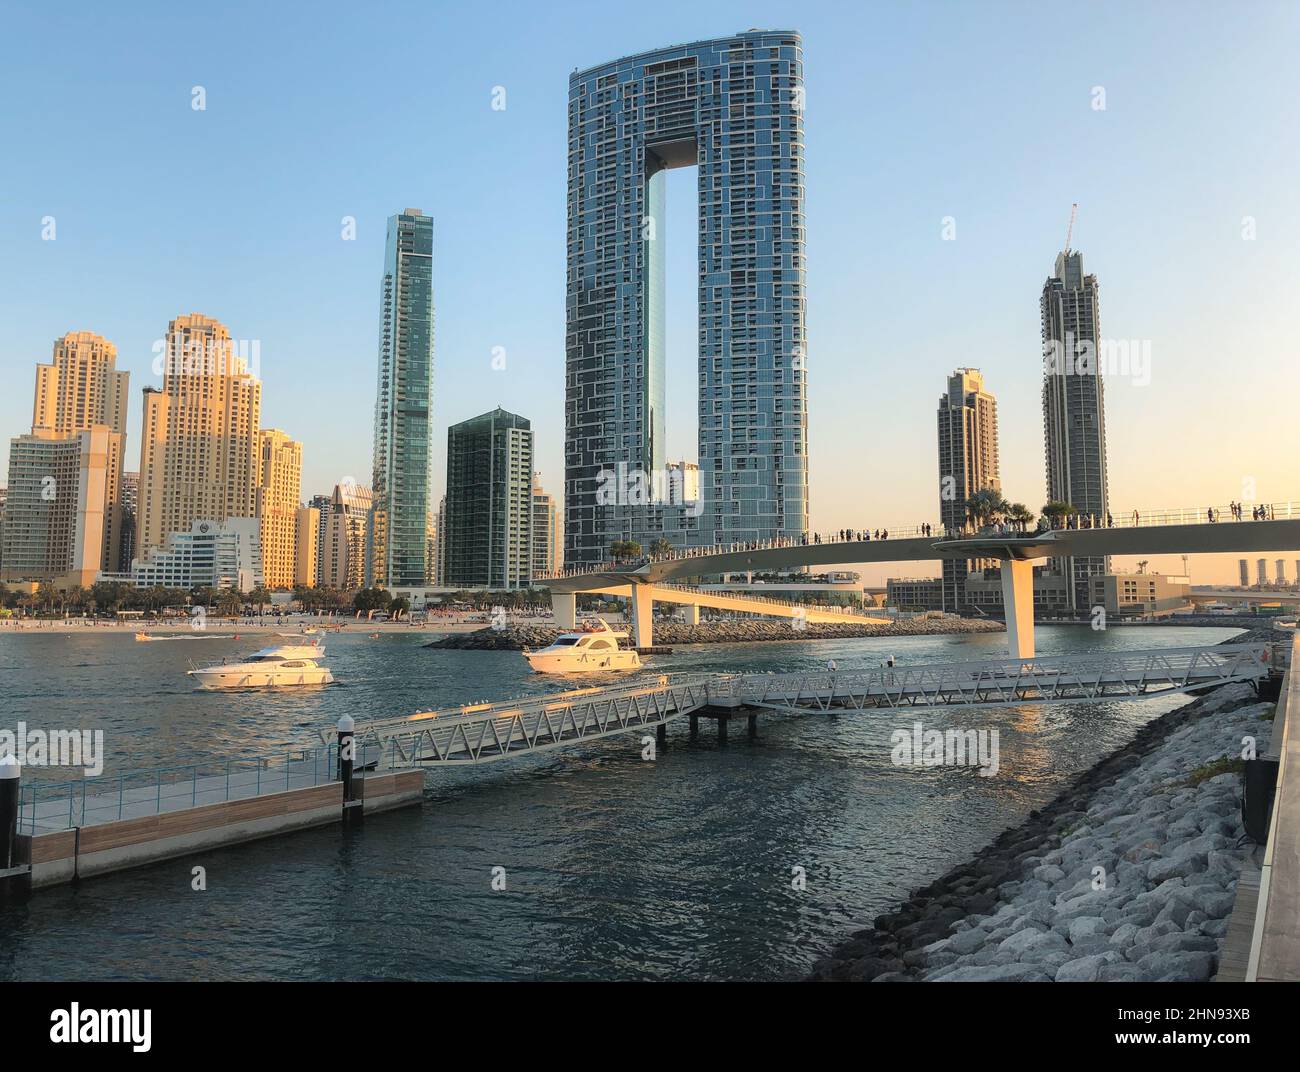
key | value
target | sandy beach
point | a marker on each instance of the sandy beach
(293, 624)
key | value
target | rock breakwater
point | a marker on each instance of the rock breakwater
(1130, 874)
(672, 633)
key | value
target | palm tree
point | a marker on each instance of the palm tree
(259, 597)
(985, 505)
(1020, 515)
(660, 546)
(1056, 511)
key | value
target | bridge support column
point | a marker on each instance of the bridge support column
(753, 726)
(722, 729)
(661, 736)
(642, 607)
(695, 726)
(692, 614)
(565, 607)
(1018, 603)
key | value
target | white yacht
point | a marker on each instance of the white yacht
(282, 666)
(593, 647)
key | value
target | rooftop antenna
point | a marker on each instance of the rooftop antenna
(1074, 211)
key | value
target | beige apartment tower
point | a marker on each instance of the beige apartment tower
(968, 462)
(65, 478)
(343, 555)
(199, 454)
(278, 485)
(81, 387)
(306, 546)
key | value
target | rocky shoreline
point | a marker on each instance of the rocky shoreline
(1129, 874)
(672, 633)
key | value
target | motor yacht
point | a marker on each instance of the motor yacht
(282, 666)
(593, 647)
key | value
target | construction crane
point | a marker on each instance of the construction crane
(1074, 211)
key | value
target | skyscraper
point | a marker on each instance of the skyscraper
(278, 486)
(1074, 410)
(65, 478)
(1244, 568)
(968, 462)
(732, 108)
(397, 536)
(199, 450)
(487, 530)
(60, 489)
(321, 504)
(343, 552)
(81, 386)
(306, 546)
(545, 534)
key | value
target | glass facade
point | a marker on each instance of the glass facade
(487, 517)
(733, 109)
(1074, 408)
(398, 531)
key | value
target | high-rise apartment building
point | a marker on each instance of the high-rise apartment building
(130, 503)
(65, 478)
(278, 487)
(968, 462)
(1261, 572)
(81, 386)
(733, 109)
(61, 490)
(545, 531)
(199, 451)
(306, 557)
(1074, 410)
(343, 554)
(321, 504)
(397, 537)
(1243, 568)
(488, 527)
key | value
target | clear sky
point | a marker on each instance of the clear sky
(915, 112)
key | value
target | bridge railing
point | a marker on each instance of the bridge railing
(133, 794)
(1223, 661)
(1188, 515)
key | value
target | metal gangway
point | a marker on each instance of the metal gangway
(1133, 675)
(486, 732)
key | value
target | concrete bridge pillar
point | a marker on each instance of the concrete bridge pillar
(642, 607)
(692, 614)
(1018, 602)
(565, 607)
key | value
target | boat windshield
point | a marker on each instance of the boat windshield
(565, 641)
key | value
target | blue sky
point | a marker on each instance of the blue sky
(915, 112)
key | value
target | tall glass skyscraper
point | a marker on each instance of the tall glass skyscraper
(487, 531)
(1074, 407)
(397, 536)
(733, 109)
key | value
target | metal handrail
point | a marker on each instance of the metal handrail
(1115, 519)
(168, 783)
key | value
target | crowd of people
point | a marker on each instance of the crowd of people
(1046, 523)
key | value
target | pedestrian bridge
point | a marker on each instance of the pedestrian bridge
(1152, 533)
(492, 731)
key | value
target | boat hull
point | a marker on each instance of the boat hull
(568, 662)
(226, 678)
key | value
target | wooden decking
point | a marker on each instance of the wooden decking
(1241, 928)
